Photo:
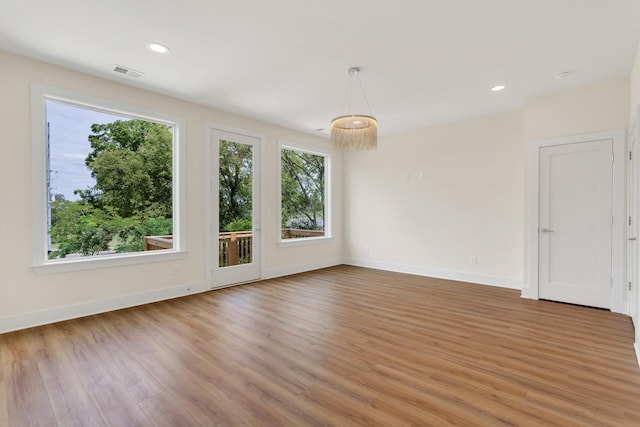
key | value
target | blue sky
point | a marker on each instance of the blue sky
(69, 130)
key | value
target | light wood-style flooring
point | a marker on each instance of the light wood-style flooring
(342, 346)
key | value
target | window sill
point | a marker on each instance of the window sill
(105, 261)
(304, 241)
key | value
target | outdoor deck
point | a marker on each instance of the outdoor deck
(234, 247)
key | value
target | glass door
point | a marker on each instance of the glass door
(237, 226)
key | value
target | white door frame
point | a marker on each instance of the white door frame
(635, 128)
(211, 202)
(618, 232)
(634, 222)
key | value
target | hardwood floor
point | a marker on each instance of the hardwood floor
(341, 346)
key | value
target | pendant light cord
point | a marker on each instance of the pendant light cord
(347, 97)
(364, 95)
(354, 73)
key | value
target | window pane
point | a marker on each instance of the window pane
(109, 183)
(303, 194)
(235, 236)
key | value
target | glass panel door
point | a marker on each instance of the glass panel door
(238, 234)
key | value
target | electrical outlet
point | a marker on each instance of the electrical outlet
(474, 260)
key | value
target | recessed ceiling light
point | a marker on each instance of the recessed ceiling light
(158, 47)
(498, 88)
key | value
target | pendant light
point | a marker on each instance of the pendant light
(354, 131)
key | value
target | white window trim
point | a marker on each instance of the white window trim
(40, 263)
(327, 198)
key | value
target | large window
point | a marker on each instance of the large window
(109, 181)
(303, 194)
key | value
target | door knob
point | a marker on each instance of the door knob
(546, 230)
(631, 238)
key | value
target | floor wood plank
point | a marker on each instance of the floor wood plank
(339, 346)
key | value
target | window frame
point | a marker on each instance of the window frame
(40, 262)
(283, 145)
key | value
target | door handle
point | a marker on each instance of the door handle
(631, 238)
(546, 230)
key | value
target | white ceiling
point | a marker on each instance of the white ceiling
(285, 61)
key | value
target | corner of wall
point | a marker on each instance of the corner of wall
(634, 85)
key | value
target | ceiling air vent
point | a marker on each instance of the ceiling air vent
(127, 71)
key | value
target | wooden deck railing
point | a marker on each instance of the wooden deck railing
(234, 247)
(292, 233)
(157, 243)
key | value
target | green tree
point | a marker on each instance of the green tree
(235, 178)
(78, 227)
(131, 161)
(133, 231)
(303, 190)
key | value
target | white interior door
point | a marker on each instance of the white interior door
(236, 221)
(575, 220)
(632, 233)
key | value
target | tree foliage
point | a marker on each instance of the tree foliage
(131, 162)
(79, 227)
(303, 190)
(133, 231)
(236, 182)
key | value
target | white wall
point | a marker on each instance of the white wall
(634, 91)
(429, 200)
(473, 197)
(27, 298)
(588, 109)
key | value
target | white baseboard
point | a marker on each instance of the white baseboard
(527, 293)
(58, 314)
(295, 269)
(439, 274)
